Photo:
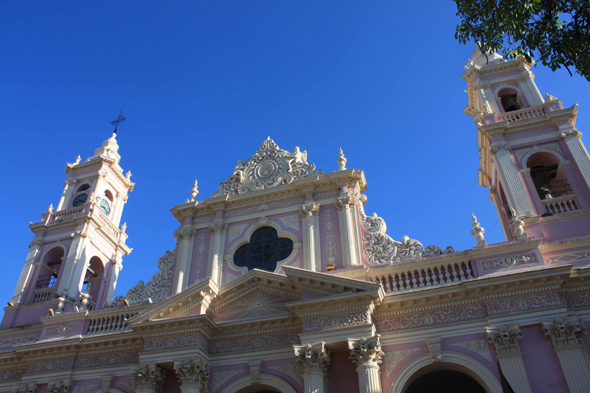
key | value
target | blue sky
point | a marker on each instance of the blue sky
(204, 83)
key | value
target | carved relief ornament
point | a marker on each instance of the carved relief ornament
(505, 338)
(148, 377)
(158, 286)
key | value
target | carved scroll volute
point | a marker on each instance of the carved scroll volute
(366, 351)
(148, 378)
(505, 338)
(313, 358)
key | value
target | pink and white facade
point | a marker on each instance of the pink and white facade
(282, 281)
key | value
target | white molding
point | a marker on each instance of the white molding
(265, 379)
(450, 361)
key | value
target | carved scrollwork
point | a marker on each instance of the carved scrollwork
(269, 167)
(158, 286)
(382, 249)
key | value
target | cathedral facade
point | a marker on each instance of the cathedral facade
(284, 281)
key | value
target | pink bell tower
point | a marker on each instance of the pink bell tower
(76, 254)
(532, 157)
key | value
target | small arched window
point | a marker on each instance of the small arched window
(94, 279)
(548, 175)
(109, 195)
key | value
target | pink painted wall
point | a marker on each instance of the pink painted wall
(541, 363)
(342, 373)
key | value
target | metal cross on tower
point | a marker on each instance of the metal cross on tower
(119, 120)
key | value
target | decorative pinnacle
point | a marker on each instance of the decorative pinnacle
(194, 191)
(517, 227)
(123, 227)
(118, 121)
(478, 232)
(341, 161)
(50, 208)
(78, 159)
(128, 175)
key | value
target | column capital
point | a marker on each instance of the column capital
(217, 226)
(499, 146)
(59, 386)
(192, 373)
(25, 388)
(505, 339)
(366, 351)
(313, 358)
(185, 232)
(309, 209)
(35, 243)
(565, 332)
(148, 378)
(571, 132)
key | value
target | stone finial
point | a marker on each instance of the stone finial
(194, 191)
(128, 175)
(549, 97)
(478, 232)
(123, 227)
(85, 298)
(78, 159)
(50, 208)
(505, 338)
(565, 332)
(341, 161)
(313, 358)
(517, 226)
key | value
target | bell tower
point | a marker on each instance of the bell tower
(78, 247)
(532, 157)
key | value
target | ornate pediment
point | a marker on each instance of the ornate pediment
(268, 168)
(258, 304)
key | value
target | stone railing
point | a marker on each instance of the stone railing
(43, 294)
(62, 215)
(521, 114)
(105, 220)
(562, 204)
(421, 274)
(115, 321)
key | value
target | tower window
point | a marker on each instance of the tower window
(50, 269)
(83, 187)
(509, 100)
(548, 176)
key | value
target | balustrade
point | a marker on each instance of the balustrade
(413, 275)
(65, 214)
(110, 323)
(43, 294)
(566, 203)
(522, 114)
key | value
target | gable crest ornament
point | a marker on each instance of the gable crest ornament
(268, 168)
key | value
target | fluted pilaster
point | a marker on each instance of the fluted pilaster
(505, 339)
(366, 354)
(566, 337)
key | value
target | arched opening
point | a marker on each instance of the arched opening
(83, 187)
(510, 100)
(548, 176)
(50, 268)
(258, 389)
(109, 195)
(445, 381)
(94, 280)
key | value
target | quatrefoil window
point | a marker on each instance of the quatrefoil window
(264, 250)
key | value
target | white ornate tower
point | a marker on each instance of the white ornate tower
(79, 244)
(532, 157)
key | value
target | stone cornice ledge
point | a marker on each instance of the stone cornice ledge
(336, 304)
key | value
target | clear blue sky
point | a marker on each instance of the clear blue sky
(204, 82)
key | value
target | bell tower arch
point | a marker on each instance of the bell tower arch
(78, 247)
(532, 158)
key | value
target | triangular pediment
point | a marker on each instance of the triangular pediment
(321, 284)
(196, 300)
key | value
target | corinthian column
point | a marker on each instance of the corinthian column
(566, 337)
(192, 374)
(148, 378)
(311, 233)
(505, 338)
(315, 360)
(366, 354)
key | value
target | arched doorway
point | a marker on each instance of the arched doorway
(258, 389)
(445, 381)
